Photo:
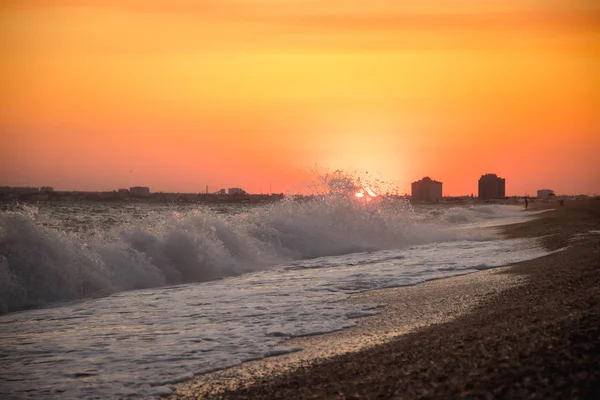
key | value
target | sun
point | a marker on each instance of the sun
(366, 193)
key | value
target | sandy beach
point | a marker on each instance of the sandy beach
(528, 330)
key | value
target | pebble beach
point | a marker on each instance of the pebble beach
(525, 330)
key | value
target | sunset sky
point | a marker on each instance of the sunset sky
(179, 94)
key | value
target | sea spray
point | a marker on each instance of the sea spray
(131, 343)
(65, 252)
(258, 274)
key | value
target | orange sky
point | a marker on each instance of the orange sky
(177, 94)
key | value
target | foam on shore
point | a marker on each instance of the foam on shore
(403, 310)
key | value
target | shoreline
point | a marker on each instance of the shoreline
(306, 374)
(403, 310)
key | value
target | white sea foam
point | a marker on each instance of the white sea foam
(135, 343)
(48, 256)
(284, 268)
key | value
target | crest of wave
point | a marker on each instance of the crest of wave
(333, 221)
(39, 264)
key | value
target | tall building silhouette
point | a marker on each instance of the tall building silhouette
(491, 186)
(426, 190)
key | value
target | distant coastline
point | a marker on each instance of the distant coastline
(47, 194)
(34, 195)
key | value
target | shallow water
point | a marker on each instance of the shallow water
(282, 272)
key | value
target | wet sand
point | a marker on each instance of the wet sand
(523, 331)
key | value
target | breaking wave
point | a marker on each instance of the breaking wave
(42, 262)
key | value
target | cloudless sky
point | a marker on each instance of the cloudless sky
(180, 94)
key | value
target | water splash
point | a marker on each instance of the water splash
(80, 251)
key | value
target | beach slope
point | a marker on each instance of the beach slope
(537, 337)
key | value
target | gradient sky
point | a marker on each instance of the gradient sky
(178, 94)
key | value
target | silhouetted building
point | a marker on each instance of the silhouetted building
(492, 186)
(426, 190)
(139, 191)
(235, 191)
(545, 194)
(46, 189)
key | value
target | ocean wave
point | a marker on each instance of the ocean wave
(41, 262)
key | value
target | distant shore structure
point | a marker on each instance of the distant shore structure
(236, 192)
(545, 194)
(19, 189)
(426, 190)
(491, 187)
(139, 191)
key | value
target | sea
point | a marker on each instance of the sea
(124, 300)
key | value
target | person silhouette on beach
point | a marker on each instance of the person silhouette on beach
(526, 203)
